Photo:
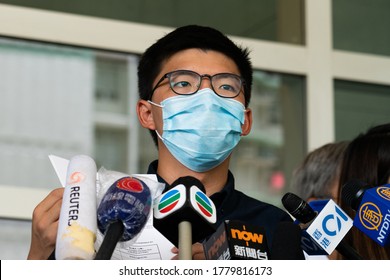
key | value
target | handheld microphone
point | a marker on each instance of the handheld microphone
(77, 222)
(322, 230)
(122, 213)
(304, 215)
(286, 244)
(235, 240)
(372, 206)
(184, 214)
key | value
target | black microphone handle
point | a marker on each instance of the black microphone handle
(111, 238)
(347, 251)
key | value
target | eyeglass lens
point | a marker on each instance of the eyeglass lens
(188, 82)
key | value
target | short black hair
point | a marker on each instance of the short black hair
(191, 37)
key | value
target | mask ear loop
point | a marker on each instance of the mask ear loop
(158, 105)
(158, 135)
(155, 104)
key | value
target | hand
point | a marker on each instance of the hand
(197, 252)
(45, 225)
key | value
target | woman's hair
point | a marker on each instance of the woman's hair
(366, 159)
(319, 172)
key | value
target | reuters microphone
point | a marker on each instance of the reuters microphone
(77, 223)
(122, 213)
(372, 206)
(184, 214)
(235, 240)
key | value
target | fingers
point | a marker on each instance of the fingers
(197, 252)
(45, 225)
(175, 251)
(47, 212)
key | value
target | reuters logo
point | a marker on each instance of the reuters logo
(370, 216)
(76, 177)
(384, 192)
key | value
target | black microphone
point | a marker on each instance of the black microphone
(286, 244)
(184, 214)
(235, 240)
(305, 214)
(298, 208)
(122, 213)
(372, 206)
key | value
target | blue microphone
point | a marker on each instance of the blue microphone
(372, 206)
(122, 213)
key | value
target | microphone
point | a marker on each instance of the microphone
(235, 240)
(304, 215)
(372, 206)
(298, 208)
(286, 244)
(184, 214)
(322, 230)
(122, 213)
(77, 222)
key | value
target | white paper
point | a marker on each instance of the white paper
(150, 244)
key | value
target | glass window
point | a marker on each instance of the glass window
(111, 87)
(111, 149)
(359, 106)
(46, 108)
(361, 26)
(273, 20)
(264, 160)
(15, 239)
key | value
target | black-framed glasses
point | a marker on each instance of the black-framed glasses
(186, 82)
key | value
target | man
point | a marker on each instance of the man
(195, 88)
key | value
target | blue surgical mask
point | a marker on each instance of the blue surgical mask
(202, 129)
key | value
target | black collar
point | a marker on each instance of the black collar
(220, 199)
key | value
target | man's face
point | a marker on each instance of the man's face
(202, 62)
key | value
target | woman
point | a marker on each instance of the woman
(367, 159)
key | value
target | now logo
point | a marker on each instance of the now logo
(246, 235)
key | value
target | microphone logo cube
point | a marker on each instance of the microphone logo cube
(184, 202)
(373, 217)
(236, 240)
(330, 226)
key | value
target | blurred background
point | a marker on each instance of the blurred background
(68, 85)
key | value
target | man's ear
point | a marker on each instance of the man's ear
(247, 126)
(145, 114)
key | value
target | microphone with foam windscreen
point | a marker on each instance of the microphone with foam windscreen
(184, 214)
(372, 206)
(286, 244)
(77, 222)
(322, 230)
(122, 213)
